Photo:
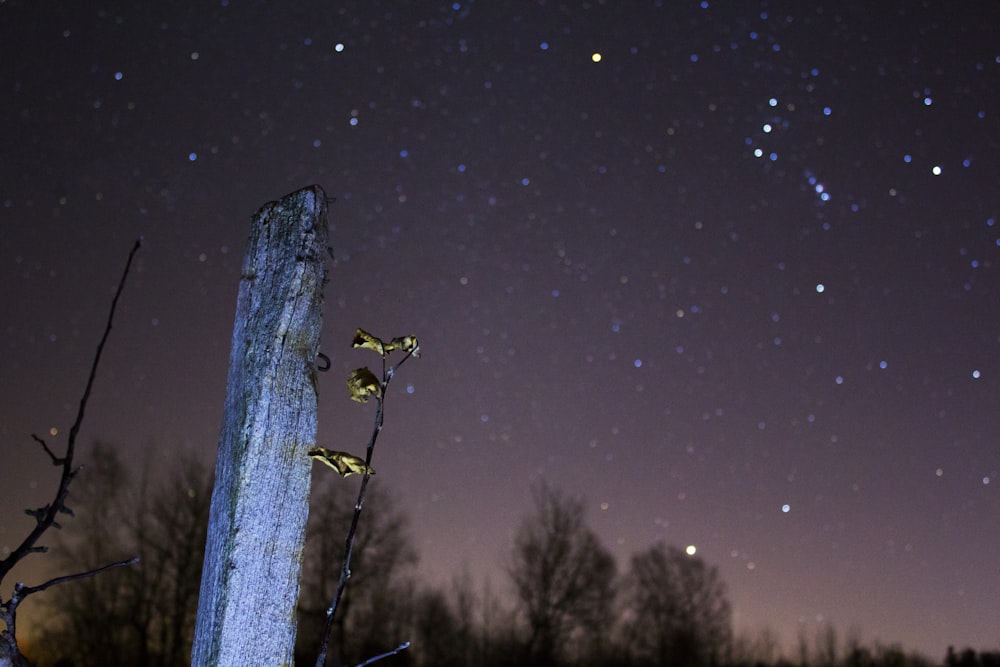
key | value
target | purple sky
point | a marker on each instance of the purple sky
(735, 283)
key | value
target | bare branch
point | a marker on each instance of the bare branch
(68, 473)
(387, 654)
(75, 429)
(345, 571)
(39, 513)
(45, 517)
(21, 591)
(56, 461)
(8, 610)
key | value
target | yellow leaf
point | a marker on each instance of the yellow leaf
(344, 463)
(364, 339)
(363, 384)
(406, 344)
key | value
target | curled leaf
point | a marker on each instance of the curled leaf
(363, 384)
(344, 463)
(406, 344)
(364, 339)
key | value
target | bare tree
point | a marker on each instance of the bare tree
(826, 646)
(466, 605)
(446, 626)
(91, 620)
(677, 609)
(563, 579)
(762, 649)
(176, 544)
(145, 616)
(855, 653)
(437, 631)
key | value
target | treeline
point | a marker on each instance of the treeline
(567, 602)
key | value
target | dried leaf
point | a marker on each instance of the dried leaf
(364, 339)
(363, 384)
(344, 463)
(406, 344)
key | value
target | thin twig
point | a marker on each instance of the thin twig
(75, 429)
(345, 570)
(387, 654)
(55, 459)
(25, 591)
(8, 610)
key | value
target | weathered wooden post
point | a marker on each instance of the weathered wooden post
(256, 530)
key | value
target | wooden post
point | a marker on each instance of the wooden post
(256, 529)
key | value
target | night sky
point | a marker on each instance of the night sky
(728, 271)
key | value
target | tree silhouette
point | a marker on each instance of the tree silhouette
(563, 580)
(144, 615)
(826, 646)
(761, 649)
(677, 609)
(91, 620)
(437, 631)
